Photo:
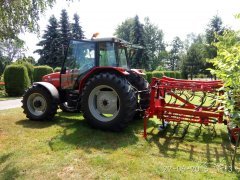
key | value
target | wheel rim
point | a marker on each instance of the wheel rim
(104, 103)
(37, 104)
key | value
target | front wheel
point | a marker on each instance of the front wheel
(38, 104)
(108, 102)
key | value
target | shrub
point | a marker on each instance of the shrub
(178, 75)
(57, 69)
(16, 80)
(201, 76)
(40, 71)
(149, 76)
(158, 74)
(160, 68)
(170, 74)
(29, 67)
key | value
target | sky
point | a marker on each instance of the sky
(174, 17)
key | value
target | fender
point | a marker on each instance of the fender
(51, 89)
(138, 71)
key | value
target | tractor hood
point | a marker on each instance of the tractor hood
(53, 78)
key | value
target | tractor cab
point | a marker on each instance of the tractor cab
(85, 55)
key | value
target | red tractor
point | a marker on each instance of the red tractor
(96, 80)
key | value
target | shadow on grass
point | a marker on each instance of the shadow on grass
(214, 149)
(4, 158)
(77, 134)
(9, 171)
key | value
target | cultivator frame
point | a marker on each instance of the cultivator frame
(172, 100)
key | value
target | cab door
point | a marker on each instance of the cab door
(79, 59)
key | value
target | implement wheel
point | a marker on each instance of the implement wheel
(108, 102)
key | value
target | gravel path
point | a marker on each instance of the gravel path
(8, 104)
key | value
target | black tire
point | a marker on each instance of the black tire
(140, 84)
(38, 104)
(111, 90)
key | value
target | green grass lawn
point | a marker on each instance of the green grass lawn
(67, 148)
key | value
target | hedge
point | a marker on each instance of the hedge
(178, 75)
(160, 74)
(30, 68)
(40, 71)
(149, 76)
(57, 69)
(16, 80)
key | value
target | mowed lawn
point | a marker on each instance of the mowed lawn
(67, 148)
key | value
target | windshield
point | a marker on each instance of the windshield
(122, 57)
(81, 56)
(112, 54)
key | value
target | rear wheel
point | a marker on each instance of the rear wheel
(38, 104)
(142, 86)
(108, 102)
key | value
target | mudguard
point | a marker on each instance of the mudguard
(51, 89)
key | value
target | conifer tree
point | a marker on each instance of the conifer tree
(141, 58)
(51, 49)
(77, 32)
(65, 30)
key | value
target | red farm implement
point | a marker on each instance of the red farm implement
(178, 101)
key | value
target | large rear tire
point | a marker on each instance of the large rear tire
(141, 86)
(108, 102)
(38, 104)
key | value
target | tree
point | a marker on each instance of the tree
(4, 61)
(77, 32)
(12, 48)
(153, 38)
(137, 37)
(123, 31)
(18, 16)
(50, 54)
(65, 30)
(174, 54)
(193, 61)
(215, 27)
(226, 68)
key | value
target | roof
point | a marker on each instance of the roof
(110, 39)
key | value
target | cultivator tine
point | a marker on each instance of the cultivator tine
(185, 130)
(175, 129)
(214, 131)
(199, 131)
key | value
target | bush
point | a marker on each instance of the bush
(149, 76)
(158, 74)
(160, 68)
(29, 67)
(170, 74)
(201, 76)
(40, 71)
(16, 80)
(178, 75)
(57, 69)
